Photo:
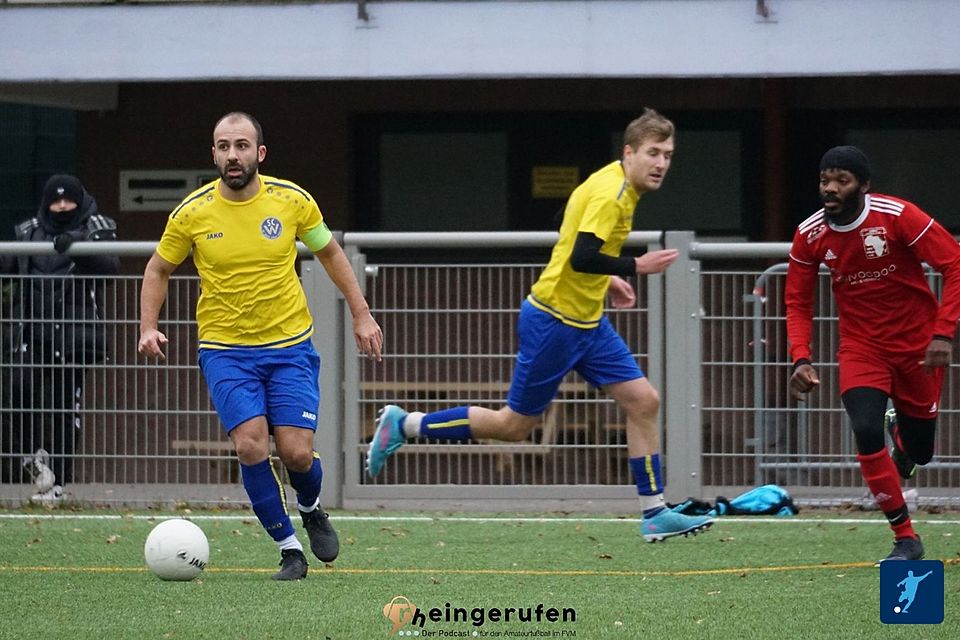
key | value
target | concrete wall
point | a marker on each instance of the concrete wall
(564, 38)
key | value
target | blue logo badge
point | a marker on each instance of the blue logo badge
(271, 228)
(911, 592)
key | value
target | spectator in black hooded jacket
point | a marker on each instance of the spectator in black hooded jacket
(54, 331)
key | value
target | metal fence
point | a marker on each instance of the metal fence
(710, 335)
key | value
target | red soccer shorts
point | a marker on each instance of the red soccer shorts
(915, 391)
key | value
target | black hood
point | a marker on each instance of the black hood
(55, 223)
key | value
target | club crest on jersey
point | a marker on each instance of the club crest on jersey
(271, 228)
(875, 243)
(816, 232)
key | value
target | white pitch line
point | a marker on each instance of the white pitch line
(470, 519)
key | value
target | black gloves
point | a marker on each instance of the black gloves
(63, 241)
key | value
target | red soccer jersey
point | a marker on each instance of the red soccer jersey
(882, 295)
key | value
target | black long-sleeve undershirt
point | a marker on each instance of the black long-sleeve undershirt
(586, 258)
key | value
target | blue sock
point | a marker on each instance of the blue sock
(267, 498)
(649, 478)
(307, 483)
(449, 424)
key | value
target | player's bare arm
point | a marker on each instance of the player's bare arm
(803, 381)
(366, 331)
(153, 293)
(656, 261)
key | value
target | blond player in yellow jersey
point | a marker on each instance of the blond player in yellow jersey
(254, 326)
(562, 328)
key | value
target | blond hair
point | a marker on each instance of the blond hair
(650, 124)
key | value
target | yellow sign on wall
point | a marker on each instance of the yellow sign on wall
(555, 182)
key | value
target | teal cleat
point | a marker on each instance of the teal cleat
(667, 524)
(387, 438)
(906, 467)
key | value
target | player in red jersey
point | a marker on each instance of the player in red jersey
(895, 337)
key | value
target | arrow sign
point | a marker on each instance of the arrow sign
(142, 199)
(159, 190)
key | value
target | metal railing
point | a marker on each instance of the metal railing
(711, 338)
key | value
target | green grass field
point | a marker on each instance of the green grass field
(80, 574)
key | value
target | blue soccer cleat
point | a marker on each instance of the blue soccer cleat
(387, 438)
(667, 524)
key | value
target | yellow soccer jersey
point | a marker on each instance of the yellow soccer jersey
(245, 253)
(602, 205)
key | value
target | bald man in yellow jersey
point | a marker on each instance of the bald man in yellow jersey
(254, 326)
(562, 328)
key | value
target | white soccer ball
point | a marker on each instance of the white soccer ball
(176, 549)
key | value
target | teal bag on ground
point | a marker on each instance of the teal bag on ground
(768, 500)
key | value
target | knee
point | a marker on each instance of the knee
(250, 450)
(868, 436)
(644, 404)
(921, 458)
(515, 427)
(297, 460)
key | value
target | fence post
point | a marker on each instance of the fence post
(352, 470)
(326, 304)
(683, 378)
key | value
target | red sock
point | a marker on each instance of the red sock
(884, 483)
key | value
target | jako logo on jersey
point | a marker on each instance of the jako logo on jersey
(271, 228)
(875, 242)
(214, 236)
(309, 416)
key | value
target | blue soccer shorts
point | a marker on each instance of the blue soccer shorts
(281, 384)
(550, 349)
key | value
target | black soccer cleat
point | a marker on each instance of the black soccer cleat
(293, 565)
(906, 549)
(323, 539)
(906, 467)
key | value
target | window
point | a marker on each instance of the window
(37, 142)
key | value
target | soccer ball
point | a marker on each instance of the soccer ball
(176, 549)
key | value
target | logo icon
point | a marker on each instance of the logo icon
(911, 592)
(829, 255)
(815, 233)
(875, 242)
(399, 611)
(271, 228)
